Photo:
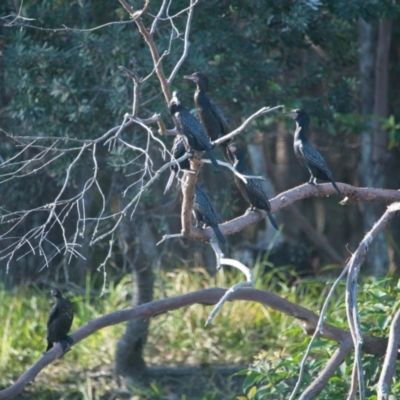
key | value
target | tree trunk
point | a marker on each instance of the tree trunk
(138, 247)
(374, 100)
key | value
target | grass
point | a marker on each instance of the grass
(239, 332)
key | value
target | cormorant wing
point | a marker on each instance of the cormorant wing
(220, 116)
(192, 127)
(204, 204)
(254, 186)
(53, 314)
(314, 158)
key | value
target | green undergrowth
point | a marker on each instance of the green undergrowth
(241, 334)
(275, 378)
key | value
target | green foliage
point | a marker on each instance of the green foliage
(275, 375)
(393, 130)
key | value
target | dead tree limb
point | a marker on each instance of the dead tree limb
(333, 364)
(389, 364)
(282, 200)
(354, 321)
(354, 267)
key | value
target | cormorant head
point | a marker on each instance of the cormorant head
(175, 101)
(200, 78)
(300, 116)
(56, 293)
(238, 151)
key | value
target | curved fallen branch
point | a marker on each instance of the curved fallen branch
(372, 345)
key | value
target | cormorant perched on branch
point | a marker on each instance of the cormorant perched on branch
(177, 151)
(204, 212)
(191, 128)
(210, 115)
(59, 322)
(252, 191)
(307, 154)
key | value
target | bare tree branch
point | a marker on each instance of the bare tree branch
(186, 43)
(372, 345)
(153, 48)
(241, 128)
(389, 364)
(319, 384)
(158, 16)
(228, 294)
(136, 83)
(354, 265)
(65, 28)
(298, 193)
(378, 227)
(233, 169)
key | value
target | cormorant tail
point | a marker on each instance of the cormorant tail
(213, 160)
(219, 234)
(336, 188)
(272, 220)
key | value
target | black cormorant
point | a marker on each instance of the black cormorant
(60, 321)
(191, 128)
(306, 153)
(204, 213)
(210, 115)
(252, 191)
(177, 151)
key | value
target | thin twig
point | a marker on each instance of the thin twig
(317, 333)
(233, 169)
(262, 111)
(186, 43)
(136, 83)
(228, 294)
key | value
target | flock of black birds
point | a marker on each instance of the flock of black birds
(199, 135)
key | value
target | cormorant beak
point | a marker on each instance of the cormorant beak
(291, 114)
(191, 78)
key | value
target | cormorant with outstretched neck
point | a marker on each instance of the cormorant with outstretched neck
(210, 115)
(252, 191)
(59, 322)
(204, 213)
(191, 128)
(177, 151)
(307, 154)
